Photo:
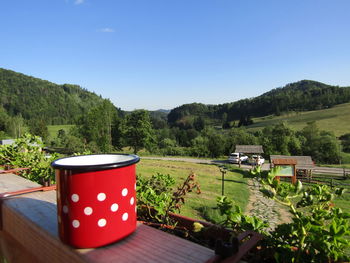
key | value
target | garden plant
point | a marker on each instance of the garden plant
(318, 231)
(27, 151)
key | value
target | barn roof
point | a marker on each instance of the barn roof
(249, 149)
(303, 162)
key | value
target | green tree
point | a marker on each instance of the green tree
(215, 142)
(199, 123)
(99, 125)
(225, 123)
(322, 146)
(139, 132)
(345, 142)
(39, 128)
(4, 118)
(16, 126)
(239, 136)
(280, 137)
(200, 146)
(329, 148)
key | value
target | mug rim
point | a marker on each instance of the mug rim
(95, 167)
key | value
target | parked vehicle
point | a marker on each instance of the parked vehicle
(256, 160)
(235, 157)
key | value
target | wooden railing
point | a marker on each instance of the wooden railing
(29, 233)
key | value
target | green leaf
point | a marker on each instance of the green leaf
(298, 187)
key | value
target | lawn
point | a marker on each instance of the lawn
(208, 176)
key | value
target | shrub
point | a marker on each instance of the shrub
(27, 151)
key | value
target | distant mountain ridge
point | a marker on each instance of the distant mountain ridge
(35, 98)
(304, 95)
(163, 110)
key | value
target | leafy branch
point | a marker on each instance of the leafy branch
(318, 230)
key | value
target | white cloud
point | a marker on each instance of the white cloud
(107, 30)
(79, 2)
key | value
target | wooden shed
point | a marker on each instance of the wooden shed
(257, 149)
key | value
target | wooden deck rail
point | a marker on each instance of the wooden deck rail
(29, 234)
(13, 170)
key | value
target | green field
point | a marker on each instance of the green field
(208, 176)
(335, 119)
(53, 130)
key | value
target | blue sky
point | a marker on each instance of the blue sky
(156, 54)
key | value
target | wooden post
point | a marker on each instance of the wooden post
(294, 178)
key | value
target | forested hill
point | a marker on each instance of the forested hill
(304, 95)
(35, 98)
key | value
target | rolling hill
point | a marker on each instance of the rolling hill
(296, 103)
(335, 119)
(34, 98)
(298, 97)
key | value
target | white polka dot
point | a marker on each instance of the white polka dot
(102, 222)
(125, 216)
(132, 200)
(101, 196)
(75, 198)
(87, 210)
(65, 209)
(125, 192)
(75, 223)
(114, 207)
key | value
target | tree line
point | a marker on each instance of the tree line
(104, 128)
(304, 95)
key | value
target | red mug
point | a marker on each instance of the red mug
(96, 198)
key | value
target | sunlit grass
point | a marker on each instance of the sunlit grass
(53, 130)
(334, 119)
(208, 176)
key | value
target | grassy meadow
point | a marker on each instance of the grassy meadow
(334, 119)
(208, 176)
(202, 206)
(53, 130)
